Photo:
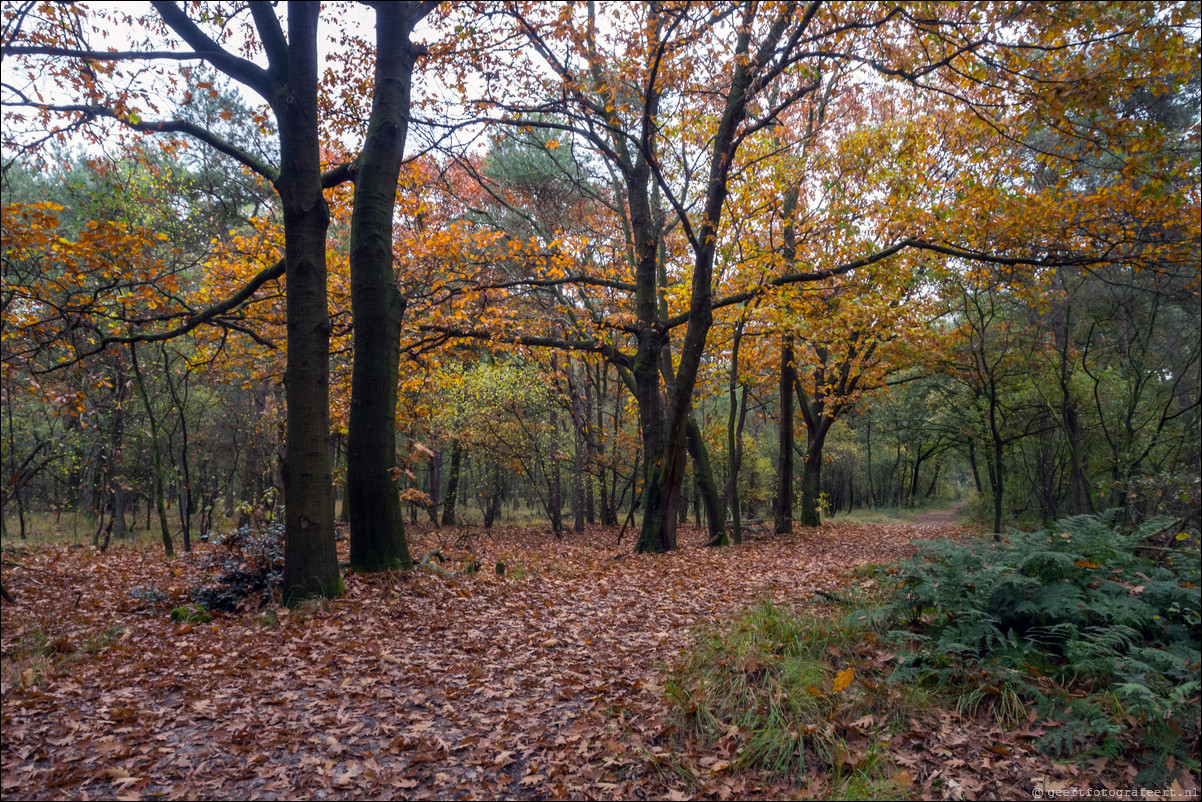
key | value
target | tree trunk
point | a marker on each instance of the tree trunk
(784, 467)
(435, 486)
(448, 503)
(187, 499)
(156, 452)
(590, 437)
(934, 480)
(734, 447)
(377, 528)
(818, 421)
(579, 421)
(113, 478)
(1081, 497)
(811, 483)
(553, 478)
(655, 536)
(310, 556)
(117, 522)
(707, 487)
(976, 472)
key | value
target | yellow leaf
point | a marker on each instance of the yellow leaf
(843, 679)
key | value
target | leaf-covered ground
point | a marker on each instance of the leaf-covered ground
(542, 683)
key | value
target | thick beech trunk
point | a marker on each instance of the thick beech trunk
(310, 558)
(377, 528)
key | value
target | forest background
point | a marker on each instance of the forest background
(960, 250)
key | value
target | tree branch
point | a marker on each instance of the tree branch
(241, 70)
(204, 316)
(588, 346)
(89, 111)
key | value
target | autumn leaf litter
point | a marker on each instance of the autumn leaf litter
(543, 682)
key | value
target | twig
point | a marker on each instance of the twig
(835, 597)
(14, 564)
(438, 569)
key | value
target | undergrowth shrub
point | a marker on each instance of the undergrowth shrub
(250, 563)
(1096, 629)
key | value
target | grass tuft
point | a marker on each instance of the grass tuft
(773, 688)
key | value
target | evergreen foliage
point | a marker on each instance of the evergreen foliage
(251, 565)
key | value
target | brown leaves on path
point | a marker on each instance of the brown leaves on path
(539, 683)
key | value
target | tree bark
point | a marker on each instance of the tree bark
(448, 503)
(707, 487)
(187, 499)
(310, 557)
(811, 483)
(156, 452)
(377, 528)
(784, 467)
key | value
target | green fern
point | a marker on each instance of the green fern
(1058, 617)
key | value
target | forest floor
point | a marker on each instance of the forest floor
(546, 682)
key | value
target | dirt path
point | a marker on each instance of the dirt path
(940, 518)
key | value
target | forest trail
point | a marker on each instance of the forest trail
(543, 683)
(941, 518)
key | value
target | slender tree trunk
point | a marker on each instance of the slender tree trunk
(579, 421)
(117, 523)
(590, 454)
(448, 503)
(976, 472)
(934, 480)
(997, 455)
(736, 416)
(788, 373)
(868, 460)
(553, 478)
(707, 486)
(818, 420)
(784, 468)
(156, 453)
(734, 448)
(1081, 495)
(187, 499)
(919, 458)
(114, 479)
(435, 486)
